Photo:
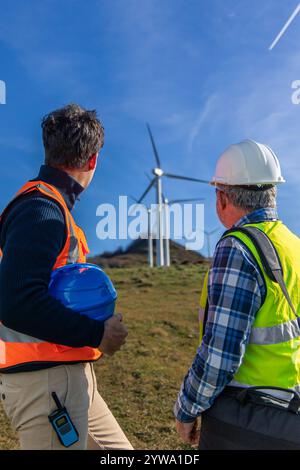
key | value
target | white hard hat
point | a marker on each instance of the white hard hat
(248, 163)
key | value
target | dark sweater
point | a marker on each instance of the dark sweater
(32, 236)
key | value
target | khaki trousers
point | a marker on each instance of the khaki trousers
(27, 401)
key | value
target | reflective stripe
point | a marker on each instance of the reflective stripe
(73, 252)
(2, 352)
(12, 336)
(50, 192)
(276, 334)
(201, 314)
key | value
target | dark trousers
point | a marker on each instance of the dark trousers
(256, 424)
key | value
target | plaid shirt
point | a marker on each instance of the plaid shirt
(236, 291)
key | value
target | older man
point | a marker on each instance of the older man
(245, 378)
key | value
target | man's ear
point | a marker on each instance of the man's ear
(92, 161)
(223, 199)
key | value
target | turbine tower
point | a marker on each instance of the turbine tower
(150, 239)
(167, 204)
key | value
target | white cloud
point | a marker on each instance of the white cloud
(205, 114)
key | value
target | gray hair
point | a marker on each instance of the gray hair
(250, 199)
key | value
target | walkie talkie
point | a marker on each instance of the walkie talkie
(62, 424)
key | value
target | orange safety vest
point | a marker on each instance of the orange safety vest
(17, 348)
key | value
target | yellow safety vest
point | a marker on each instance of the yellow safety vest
(272, 356)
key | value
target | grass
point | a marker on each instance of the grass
(140, 383)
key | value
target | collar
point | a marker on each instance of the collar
(67, 186)
(259, 215)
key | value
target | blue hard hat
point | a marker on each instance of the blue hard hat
(85, 288)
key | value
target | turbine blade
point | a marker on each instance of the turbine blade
(214, 231)
(154, 146)
(133, 198)
(146, 191)
(173, 201)
(187, 178)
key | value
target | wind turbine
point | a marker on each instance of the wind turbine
(159, 174)
(150, 234)
(166, 206)
(166, 229)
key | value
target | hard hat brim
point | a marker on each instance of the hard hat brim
(215, 182)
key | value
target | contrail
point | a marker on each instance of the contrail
(287, 24)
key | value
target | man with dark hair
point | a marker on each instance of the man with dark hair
(45, 346)
(71, 134)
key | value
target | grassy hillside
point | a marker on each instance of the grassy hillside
(141, 382)
(136, 254)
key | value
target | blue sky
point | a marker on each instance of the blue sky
(199, 71)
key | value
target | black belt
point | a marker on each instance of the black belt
(259, 396)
